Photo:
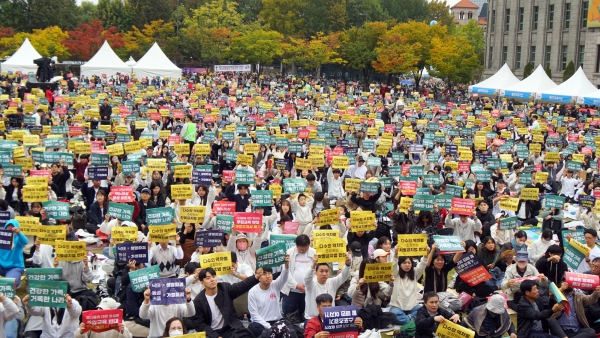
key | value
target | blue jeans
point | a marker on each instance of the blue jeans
(295, 301)
(15, 273)
(12, 328)
(403, 317)
(497, 277)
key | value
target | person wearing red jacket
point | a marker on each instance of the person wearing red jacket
(314, 327)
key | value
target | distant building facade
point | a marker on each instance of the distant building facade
(546, 32)
(464, 11)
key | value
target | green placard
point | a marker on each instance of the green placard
(140, 279)
(271, 256)
(483, 176)
(44, 274)
(262, 198)
(508, 223)
(100, 160)
(373, 161)
(416, 170)
(48, 293)
(121, 211)
(443, 201)
(231, 155)
(369, 187)
(573, 166)
(573, 257)
(554, 201)
(11, 170)
(54, 142)
(386, 182)
(160, 216)
(294, 185)
(244, 177)
(128, 167)
(423, 202)
(289, 240)
(396, 171)
(494, 163)
(7, 287)
(228, 136)
(224, 222)
(398, 157)
(433, 179)
(454, 190)
(57, 210)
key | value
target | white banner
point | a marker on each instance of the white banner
(233, 68)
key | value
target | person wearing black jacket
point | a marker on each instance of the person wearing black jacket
(241, 199)
(431, 315)
(362, 237)
(90, 193)
(145, 204)
(486, 217)
(133, 300)
(220, 296)
(16, 185)
(531, 312)
(532, 210)
(366, 201)
(97, 211)
(105, 112)
(551, 265)
(60, 175)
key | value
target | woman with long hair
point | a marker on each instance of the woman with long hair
(364, 294)
(404, 302)
(174, 327)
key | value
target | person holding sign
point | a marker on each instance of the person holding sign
(367, 201)
(159, 314)
(118, 332)
(491, 320)
(590, 241)
(12, 264)
(532, 311)
(404, 302)
(553, 219)
(431, 315)
(365, 294)
(568, 184)
(302, 206)
(57, 322)
(437, 269)
(514, 273)
(464, 227)
(575, 323)
(317, 280)
(8, 311)
(590, 219)
(314, 327)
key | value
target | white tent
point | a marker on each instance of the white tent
(155, 63)
(130, 62)
(592, 99)
(502, 79)
(568, 91)
(105, 62)
(22, 59)
(537, 82)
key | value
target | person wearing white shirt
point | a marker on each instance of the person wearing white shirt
(568, 186)
(317, 282)
(335, 188)
(538, 248)
(263, 299)
(359, 170)
(165, 255)
(239, 271)
(160, 314)
(590, 241)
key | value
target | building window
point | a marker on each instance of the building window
(584, 14)
(536, 13)
(461, 16)
(521, 14)
(507, 22)
(550, 17)
(548, 55)
(504, 54)
(563, 61)
(490, 57)
(470, 15)
(518, 58)
(581, 55)
(493, 26)
(597, 58)
(567, 15)
(532, 55)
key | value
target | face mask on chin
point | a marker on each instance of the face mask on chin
(175, 333)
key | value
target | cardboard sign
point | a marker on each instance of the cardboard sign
(121, 211)
(471, 271)
(219, 261)
(271, 256)
(47, 234)
(412, 245)
(448, 329)
(160, 216)
(362, 220)
(140, 279)
(44, 274)
(247, 222)
(331, 249)
(129, 251)
(338, 321)
(448, 244)
(378, 272)
(121, 194)
(167, 291)
(461, 206)
(70, 250)
(370, 187)
(102, 320)
(47, 293)
(529, 194)
(209, 238)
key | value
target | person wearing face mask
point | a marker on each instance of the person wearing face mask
(174, 327)
(518, 243)
(511, 281)
(244, 248)
(540, 245)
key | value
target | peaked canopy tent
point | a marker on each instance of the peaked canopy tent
(591, 99)
(130, 62)
(22, 59)
(537, 82)
(568, 91)
(155, 63)
(502, 79)
(105, 62)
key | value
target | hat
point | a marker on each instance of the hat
(356, 249)
(146, 190)
(128, 175)
(500, 214)
(379, 253)
(260, 174)
(128, 224)
(361, 159)
(522, 256)
(449, 176)
(109, 304)
(496, 304)
(500, 181)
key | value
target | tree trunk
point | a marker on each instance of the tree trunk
(389, 79)
(318, 72)
(366, 76)
(294, 69)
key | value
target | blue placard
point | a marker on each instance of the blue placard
(97, 173)
(167, 291)
(128, 251)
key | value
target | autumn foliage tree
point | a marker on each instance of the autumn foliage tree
(84, 41)
(395, 55)
(48, 42)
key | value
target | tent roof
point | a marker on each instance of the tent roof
(155, 58)
(130, 62)
(24, 55)
(576, 85)
(503, 78)
(105, 57)
(537, 82)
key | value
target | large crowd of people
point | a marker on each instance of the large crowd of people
(210, 174)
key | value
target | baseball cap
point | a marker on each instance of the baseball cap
(361, 159)
(379, 253)
(522, 256)
(109, 304)
(356, 249)
(146, 190)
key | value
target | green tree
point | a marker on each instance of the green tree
(284, 16)
(156, 31)
(472, 33)
(147, 11)
(402, 11)
(215, 14)
(548, 70)
(40, 14)
(361, 11)
(440, 12)
(313, 53)
(12, 14)
(569, 71)
(87, 11)
(453, 59)
(249, 9)
(528, 70)
(357, 46)
(115, 13)
(257, 47)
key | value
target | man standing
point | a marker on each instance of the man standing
(105, 112)
(590, 236)
(301, 257)
(188, 132)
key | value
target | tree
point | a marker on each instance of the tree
(87, 11)
(313, 53)
(12, 14)
(284, 16)
(115, 13)
(84, 41)
(257, 47)
(249, 9)
(402, 11)
(453, 59)
(528, 70)
(440, 12)
(40, 14)
(147, 11)
(395, 55)
(476, 38)
(48, 42)
(548, 70)
(361, 11)
(357, 46)
(215, 14)
(569, 71)
(157, 31)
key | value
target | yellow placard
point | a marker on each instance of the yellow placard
(47, 234)
(140, 125)
(194, 335)
(183, 171)
(378, 272)
(123, 234)
(580, 247)
(156, 164)
(404, 204)
(162, 233)
(318, 234)
(202, 149)
(251, 148)
(115, 149)
(182, 191)
(340, 162)
(529, 194)
(578, 158)
(18, 152)
(535, 147)
(164, 133)
(131, 147)
(352, 184)
(328, 217)
(448, 329)
(551, 157)
(245, 159)
(35, 193)
(83, 148)
(276, 189)
(317, 149)
(36, 180)
(330, 249)
(303, 164)
(26, 222)
(509, 204)
(182, 148)
(452, 164)
(70, 250)
(192, 214)
(541, 176)
(317, 160)
(362, 220)
(382, 150)
(219, 261)
(412, 245)
(31, 140)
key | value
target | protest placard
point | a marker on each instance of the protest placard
(131, 251)
(352, 184)
(412, 245)
(575, 254)
(121, 194)
(46, 234)
(202, 177)
(370, 187)
(7, 287)
(6, 239)
(509, 223)
(70, 250)
(578, 235)
(225, 223)
(338, 321)
(223, 208)
(423, 202)
(582, 281)
(448, 329)
(140, 279)
(47, 293)
(219, 261)
(340, 162)
(378, 272)
(102, 320)
(57, 210)
(209, 238)
(192, 214)
(182, 191)
(318, 234)
(587, 201)
(288, 240)
(408, 188)
(448, 244)
(509, 203)
(471, 271)
(262, 198)
(328, 217)
(244, 177)
(554, 201)
(529, 194)
(160, 216)
(44, 274)
(35, 193)
(362, 220)
(271, 256)
(97, 173)
(290, 227)
(183, 171)
(167, 291)
(461, 206)
(294, 185)
(247, 222)
(121, 211)
(330, 249)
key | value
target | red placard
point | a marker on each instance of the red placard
(462, 206)
(408, 188)
(96, 145)
(121, 194)
(464, 167)
(228, 175)
(573, 138)
(41, 173)
(178, 114)
(476, 276)
(75, 131)
(102, 320)
(155, 116)
(173, 139)
(405, 169)
(223, 208)
(389, 128)
(247, 222)
(303, 133)
(209, 119)
(582, 281)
